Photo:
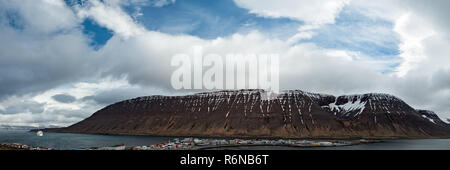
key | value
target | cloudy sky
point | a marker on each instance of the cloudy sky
(61, 60)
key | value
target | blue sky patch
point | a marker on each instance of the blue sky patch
(210, 19)
(356, 32)
(99, 35)
(14, 20)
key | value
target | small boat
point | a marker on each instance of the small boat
(40, 133)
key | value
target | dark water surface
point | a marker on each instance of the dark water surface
(69, 141)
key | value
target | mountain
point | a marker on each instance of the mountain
(10, 127)
(256, 113)
(432, 117)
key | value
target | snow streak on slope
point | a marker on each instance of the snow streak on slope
(431, 120)
(354, 103)
(432, 117)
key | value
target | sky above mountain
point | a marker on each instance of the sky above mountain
(61, 60)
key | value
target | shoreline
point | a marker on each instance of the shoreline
(205, 144)
(355, 142)
(52, 130)
(271, 145)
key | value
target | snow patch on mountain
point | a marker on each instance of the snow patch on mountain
(430, 119)
(354, 103)
(446, 120)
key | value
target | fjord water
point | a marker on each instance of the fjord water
(69, 141)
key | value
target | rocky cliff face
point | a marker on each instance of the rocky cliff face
(253, 113)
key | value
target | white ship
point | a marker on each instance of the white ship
(40, 133)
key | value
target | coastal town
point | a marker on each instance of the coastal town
(201, 144)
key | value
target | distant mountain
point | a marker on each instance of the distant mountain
(432, 117)
(249, 113)
(8, 127)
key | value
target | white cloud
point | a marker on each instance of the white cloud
(42, 109)
(55, 15)
(311, 12)
(413, 30)
(303, 35)
(46, 65)
(423, 30)
(111, 16)
(161, 3)
(314, 13)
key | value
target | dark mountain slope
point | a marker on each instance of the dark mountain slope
(254, 113)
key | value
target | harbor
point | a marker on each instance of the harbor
(202, 144)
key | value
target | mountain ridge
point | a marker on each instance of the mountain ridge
(257, 113)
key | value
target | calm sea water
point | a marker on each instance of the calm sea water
(69, 141)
